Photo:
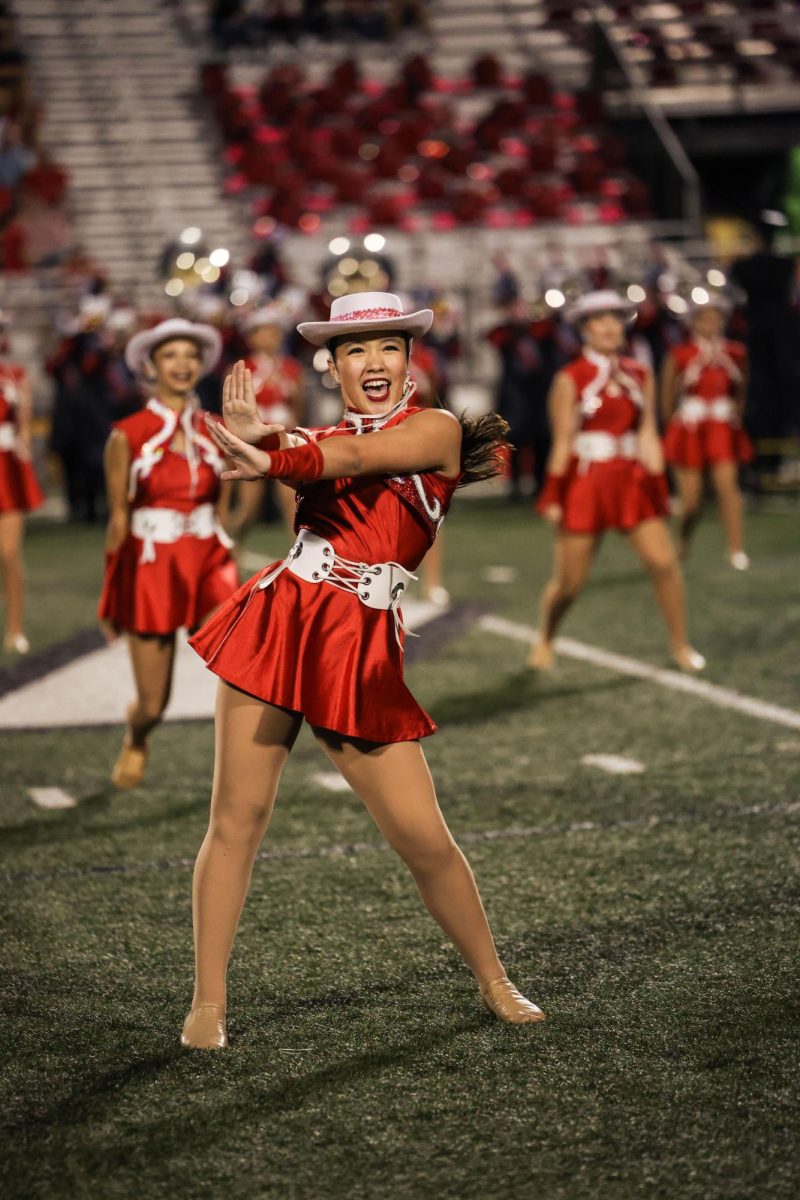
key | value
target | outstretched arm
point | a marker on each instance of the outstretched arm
(428, 441)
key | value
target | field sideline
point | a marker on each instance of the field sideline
(653, 916)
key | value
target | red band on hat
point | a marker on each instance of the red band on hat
(365, 314)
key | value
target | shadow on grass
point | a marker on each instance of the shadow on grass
(516, 692)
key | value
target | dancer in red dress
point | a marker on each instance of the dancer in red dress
(703, 385)
(320, 636)
(19, 489)
(277, 379)
(168, 562)
(606, 471)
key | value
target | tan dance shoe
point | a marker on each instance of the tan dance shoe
(508, 1004)
(16, 643)
(689, 660)
(542, 657)
(130, 767)
(204, 1028)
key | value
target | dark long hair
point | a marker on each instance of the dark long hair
(483, 443)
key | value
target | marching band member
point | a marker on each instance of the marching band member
(703, 387)
(276, 382)
(19, 489)
(168, 562)
(320, 637)
(606, 471)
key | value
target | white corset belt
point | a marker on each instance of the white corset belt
(377, 585)
(8, 436)
(597, 446)
(693, 410)
(163, 526)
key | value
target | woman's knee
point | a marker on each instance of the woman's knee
(426, 855)
(663, 564)
(239, 820)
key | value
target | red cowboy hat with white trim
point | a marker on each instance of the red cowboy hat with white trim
(141, 346)
(363, 312)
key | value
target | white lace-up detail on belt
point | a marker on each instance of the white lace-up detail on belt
(376, 585)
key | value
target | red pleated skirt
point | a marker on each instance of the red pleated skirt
(318, 651)
(618, 494)
(19, 487)
(708, 442)
(187, 581)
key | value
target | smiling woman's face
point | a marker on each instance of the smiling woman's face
(604, 332)
(178, 366)
(371, 371)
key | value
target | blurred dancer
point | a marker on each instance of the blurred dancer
(320, 636)
(424, 374)
(19, 489)
(703, 388)
(168, 563)
(606, 471)
(277, 385)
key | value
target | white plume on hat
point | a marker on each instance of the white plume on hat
(363, 312)
(605, 300)
(141, 346)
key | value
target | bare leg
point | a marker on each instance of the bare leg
(152, 659)
(725, 477)
(253, 741)
(573, 559)
(13, 575)
(652, 543)
(395, 785)
(690, 490)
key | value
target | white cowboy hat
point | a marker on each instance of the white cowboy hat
(602, 301)
(141, 345)
(268, 314)
(365, 311)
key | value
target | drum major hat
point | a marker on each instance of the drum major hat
(602, 301)
(363, 312)
(141, 346)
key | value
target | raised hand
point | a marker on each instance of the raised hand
(248, 463)
(239, 409)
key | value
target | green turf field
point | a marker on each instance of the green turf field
(653, 917)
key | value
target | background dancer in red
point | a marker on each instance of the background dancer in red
(605, 471)
(320, 636)
(168, 562)
(277, 379)
(19, 489)
(703, 387)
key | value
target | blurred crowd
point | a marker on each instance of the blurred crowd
(34, 228)
(420, 151)
(520, 321)
(260, 23)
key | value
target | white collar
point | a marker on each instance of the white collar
(365, 423)
(599, 360)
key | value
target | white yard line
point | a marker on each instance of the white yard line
(51, 797)
(614, 764)
(721, 696)
(332, 781)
